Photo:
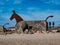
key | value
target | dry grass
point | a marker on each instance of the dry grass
(30, 39)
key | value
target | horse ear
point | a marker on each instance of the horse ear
(13, 11)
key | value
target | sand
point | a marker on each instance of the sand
(30, 39)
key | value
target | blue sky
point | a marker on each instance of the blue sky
(30, 10)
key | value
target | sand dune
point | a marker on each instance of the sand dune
(30, 39)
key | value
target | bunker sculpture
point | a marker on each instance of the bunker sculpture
(22, 25)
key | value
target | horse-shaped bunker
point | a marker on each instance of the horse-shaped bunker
(21, 25)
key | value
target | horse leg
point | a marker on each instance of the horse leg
(23, 30)
(28, 30)
(20, 30)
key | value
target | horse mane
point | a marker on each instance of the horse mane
(18, 18)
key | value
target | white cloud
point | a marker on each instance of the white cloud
(3, 3)
(52, 1)
(32, 8)
(10, 9)
(41, 15)
(38, 14)
(6, 19)
(7, 0)
(5, 16)
(26, 17)
(17, 1)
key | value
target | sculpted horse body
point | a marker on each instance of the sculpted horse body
(21, 26)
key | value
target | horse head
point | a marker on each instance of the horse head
(13, 15)
(16, 16)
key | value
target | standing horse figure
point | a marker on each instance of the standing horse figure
(21, 26)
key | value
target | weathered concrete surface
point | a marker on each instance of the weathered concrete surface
(39, 25)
